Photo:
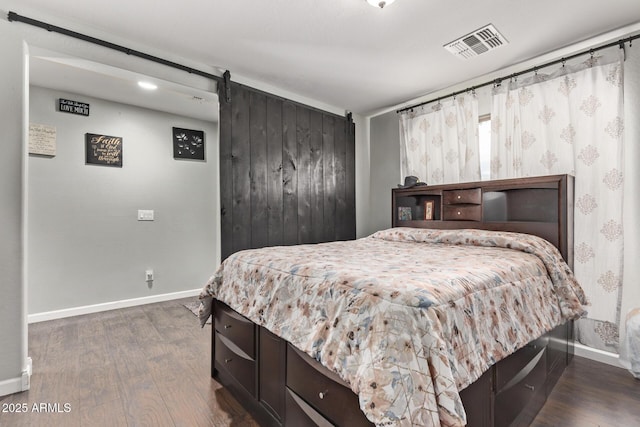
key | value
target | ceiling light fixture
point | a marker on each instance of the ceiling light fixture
(380, 3)
(147, 85)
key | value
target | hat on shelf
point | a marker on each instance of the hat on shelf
(411, 181)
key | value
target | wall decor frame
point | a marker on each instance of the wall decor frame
(188, 144)
(429, 206)
(73, 107)
(404, 213)
(103, 150)
(42, 139)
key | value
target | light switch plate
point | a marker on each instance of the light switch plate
(145, 214)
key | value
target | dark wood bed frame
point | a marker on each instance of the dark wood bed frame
(282, 386)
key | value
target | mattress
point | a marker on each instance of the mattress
(407, 317)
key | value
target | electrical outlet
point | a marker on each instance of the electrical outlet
(148, 274)
(145, 215)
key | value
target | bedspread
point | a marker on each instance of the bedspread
(408, 317)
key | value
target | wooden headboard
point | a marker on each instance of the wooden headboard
(542, 206)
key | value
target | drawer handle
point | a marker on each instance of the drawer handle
(227, 326)
(227, 360)
(459, 213)
(459, 197)
(529, 387)
(323, 394)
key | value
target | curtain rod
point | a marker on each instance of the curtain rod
(12, 16)
(498, 80)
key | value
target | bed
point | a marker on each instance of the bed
(437, 321)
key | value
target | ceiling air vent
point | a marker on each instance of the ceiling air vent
(477, 42)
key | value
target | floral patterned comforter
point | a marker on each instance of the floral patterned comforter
(408, 317)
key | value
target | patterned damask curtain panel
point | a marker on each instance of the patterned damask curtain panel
(572, 122)
(439, 143)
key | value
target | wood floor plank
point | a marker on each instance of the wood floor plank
(151, 365)
(592, 394)
(98, 385)
(64, 335)
(141, 326)
(226, 409)
(186, 406)
(95, 352)
(39, 335)
(59, 376)
(128, 361)
(93, 325)
(144, 406)
(106, 414)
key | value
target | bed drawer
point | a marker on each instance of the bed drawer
(237, 328)
(462, 213)
(454, 197)
(521, 399)
(312, 383)
(508, 368)
(557, 349)
(272, 369)
(301, 414)
(237, 363)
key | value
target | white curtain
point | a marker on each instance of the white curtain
(572, 122)
(439, 143)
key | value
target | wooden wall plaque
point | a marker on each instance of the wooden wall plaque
(103, 150)
(42, 139)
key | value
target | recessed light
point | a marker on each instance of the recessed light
(147, 85)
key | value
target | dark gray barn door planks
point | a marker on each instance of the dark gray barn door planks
(275, 175)
(287, 172)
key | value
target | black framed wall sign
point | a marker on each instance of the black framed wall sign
(103, 150)
(73, 107)
(188, 144)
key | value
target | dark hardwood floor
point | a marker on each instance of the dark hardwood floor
(150, 366)
(592, 394)
(139, 366)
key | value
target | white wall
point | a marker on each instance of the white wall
(12, 302)
(385, 162)
(85, 243)
(362, 175)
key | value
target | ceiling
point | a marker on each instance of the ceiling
(343, 53)
(88, 78)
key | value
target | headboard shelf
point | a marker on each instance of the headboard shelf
(542, 206)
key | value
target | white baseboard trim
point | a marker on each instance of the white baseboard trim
(26, 374)
(95, 308)
(14, 385)
(597, 355)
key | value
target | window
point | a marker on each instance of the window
(484, 134)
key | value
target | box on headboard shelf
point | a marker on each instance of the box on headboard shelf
(537, 205)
